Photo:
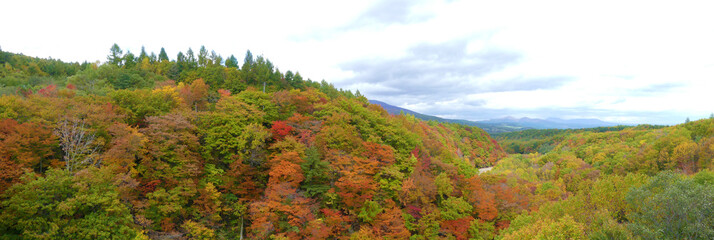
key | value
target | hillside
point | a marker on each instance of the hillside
(190, 148)
(504, 125)
(491, 128)
(544, 140)
(551, 123)
(193, 148)
(644, 182)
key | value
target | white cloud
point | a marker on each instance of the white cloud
(618, 57)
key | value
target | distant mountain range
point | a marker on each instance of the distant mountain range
(507, 124)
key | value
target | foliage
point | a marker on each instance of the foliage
(671, 206)
(117, 149)
(59, 205)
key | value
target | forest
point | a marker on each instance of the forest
(202, 147)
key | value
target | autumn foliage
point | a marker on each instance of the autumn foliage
(195, 148)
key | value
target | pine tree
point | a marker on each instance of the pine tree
(202, 57)
(143, 54)
(190, 59)
(129, 60)
(232, 62)
(115, 55)
(163, 56)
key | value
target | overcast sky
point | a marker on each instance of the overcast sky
(620, 61)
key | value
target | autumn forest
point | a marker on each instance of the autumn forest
(200, 146)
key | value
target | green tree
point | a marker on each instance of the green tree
(190, 59)
(671, 206)
(143, 54)
(61, 205)
(202, 57)
(315, 170)
(232, 62)
(163, 56)
(226, 131)
(215, 59)
(115, 55)
(246, 72)
(129, 60)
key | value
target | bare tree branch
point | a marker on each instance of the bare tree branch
(77, 144)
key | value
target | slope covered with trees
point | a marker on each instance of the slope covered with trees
(194, 148)
(633, 183)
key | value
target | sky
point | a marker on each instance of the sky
(621, 61)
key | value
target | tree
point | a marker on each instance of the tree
(390, 223)
(215, 59)
(247, 72)
(129, 60)
(671, 206)
(315, 170)
(280, 130)
(24, 146)
(231, 62)
(124, 147)
(77, 144)
(194, 95)
(84, 205)
(190, 59)
(687, 120)
(233, 132)
(163, 56)
(143, 54)
(115, 55)
(202, 57)
(458, 227)
(171, 152)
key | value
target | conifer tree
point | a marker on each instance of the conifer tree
(202, 57)
(232, 62)
(163, 56)
(143, 54)
(115, 55)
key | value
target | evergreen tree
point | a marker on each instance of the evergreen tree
(180, 58)
(190, 59)
(202, 56)
(163, 56)
(152, 57)
(232, 62)
(115, 55)
(248, 59)
(216, 59)
(129, 60)
(247, 70)
(143, 54)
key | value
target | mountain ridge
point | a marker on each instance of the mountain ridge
(506, 124)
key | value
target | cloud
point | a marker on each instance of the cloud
(525, 84)
(434, 71)
(476, 59)
(439, 78)
(387, 12)
(657, 89)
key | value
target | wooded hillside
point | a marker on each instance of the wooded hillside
(194, 148)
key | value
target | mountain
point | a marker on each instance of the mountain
(489, 127)
(507, 124)
(551, 123)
